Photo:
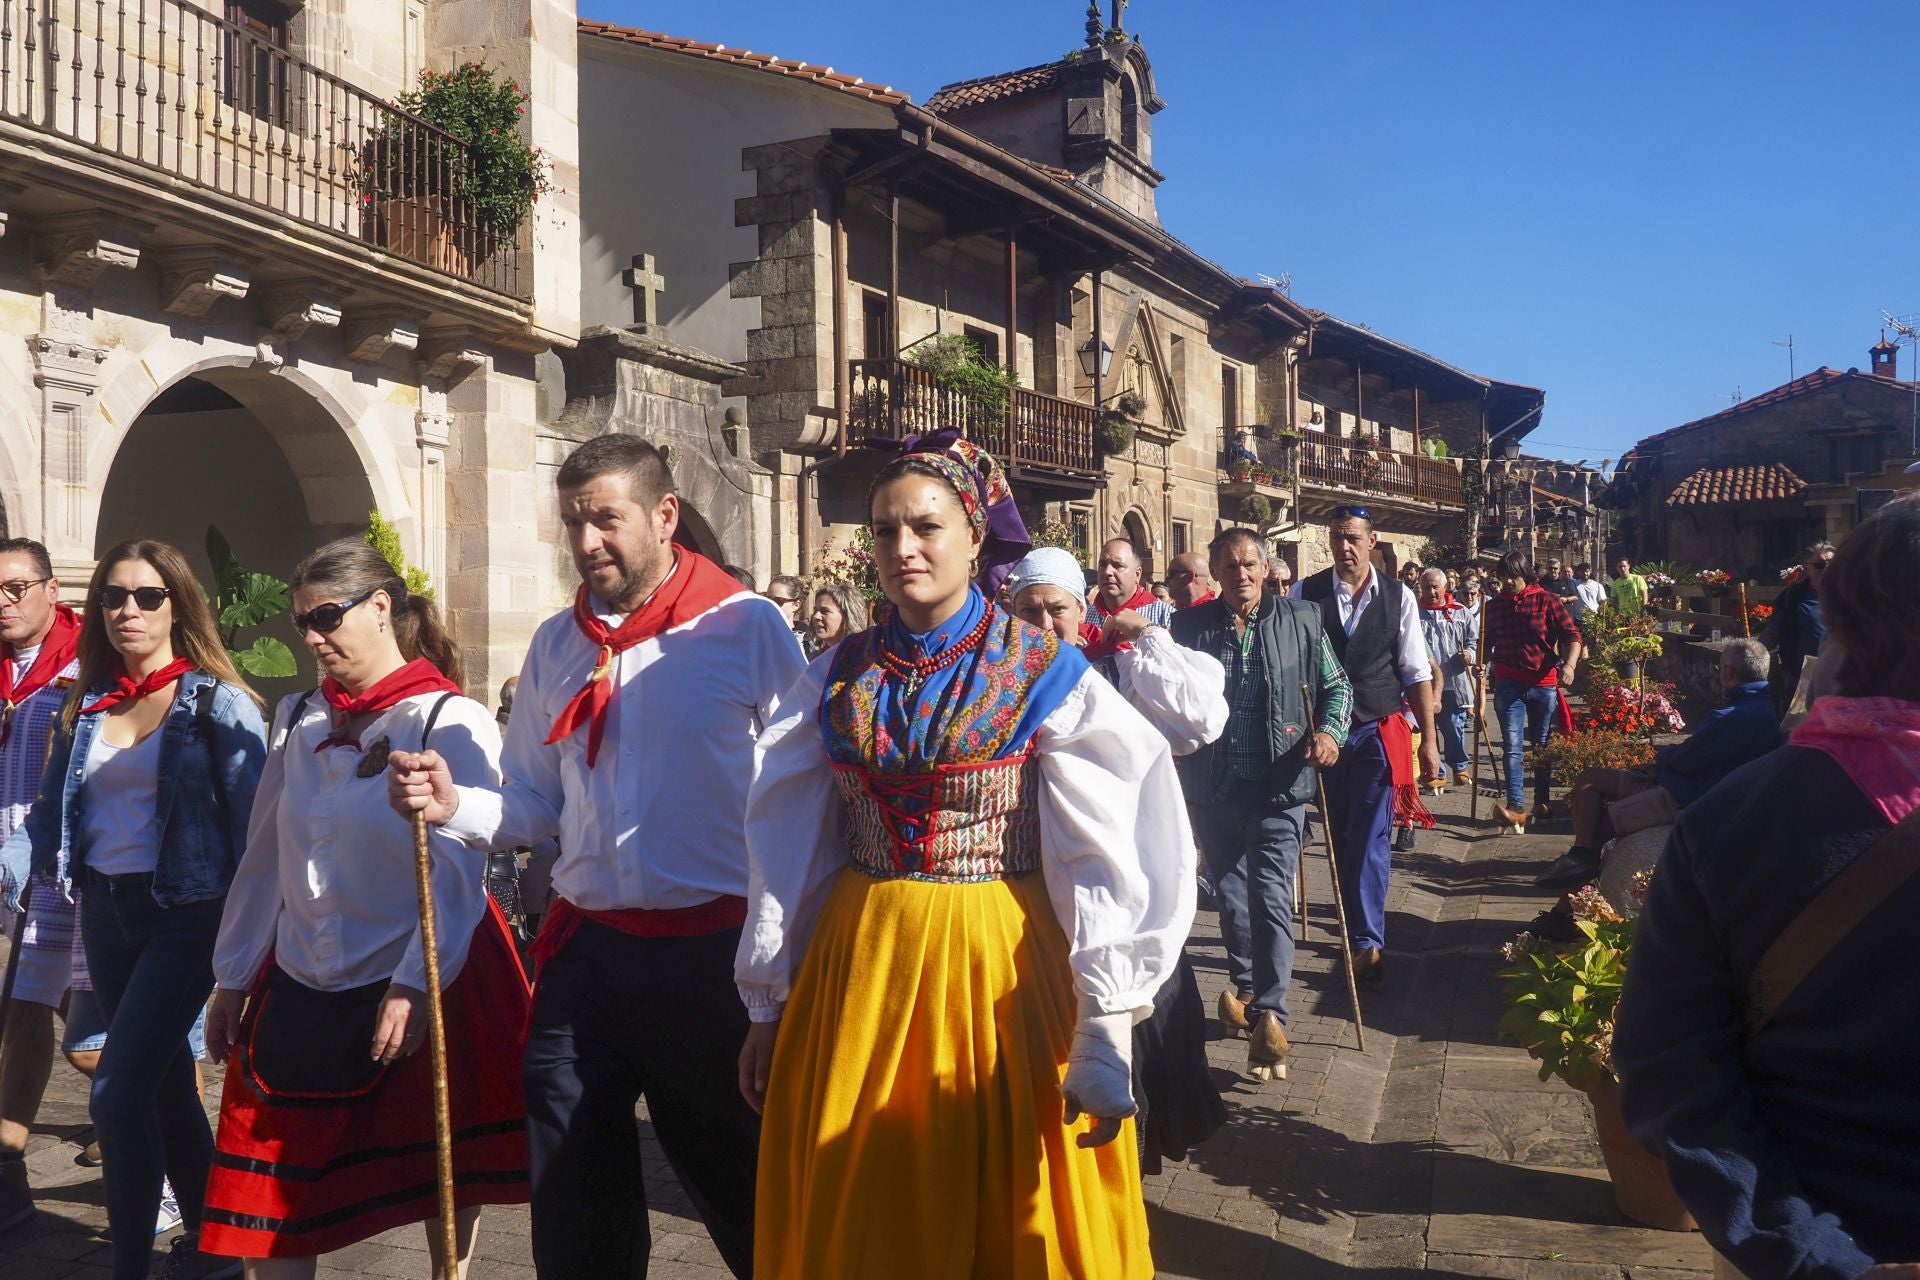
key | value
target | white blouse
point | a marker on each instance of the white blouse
(1116, 848)
(1182, 692)
(327, 880)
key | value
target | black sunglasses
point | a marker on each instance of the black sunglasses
(148, 598)
(1353, 513)
(326, 618)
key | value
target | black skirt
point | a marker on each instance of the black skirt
(1172, 1084)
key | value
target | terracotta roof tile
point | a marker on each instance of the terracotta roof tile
(825, 76)
(1712, 486)
(996, 88)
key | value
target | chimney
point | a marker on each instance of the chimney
(1886, 357)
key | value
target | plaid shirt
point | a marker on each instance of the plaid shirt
(1242, 751)
(1524, 633)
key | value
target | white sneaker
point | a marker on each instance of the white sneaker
(169, 1210)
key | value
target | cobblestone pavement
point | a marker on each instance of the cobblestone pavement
(1436, 1150)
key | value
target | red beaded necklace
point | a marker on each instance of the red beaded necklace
(913, 672)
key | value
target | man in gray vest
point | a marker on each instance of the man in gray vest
(1374, 625)
(1248, 790)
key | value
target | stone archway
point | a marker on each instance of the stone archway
(1133, 527)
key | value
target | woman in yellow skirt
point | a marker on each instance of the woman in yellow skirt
(951, 927)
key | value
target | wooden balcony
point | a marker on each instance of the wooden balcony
(165, 94)
(1040, 439)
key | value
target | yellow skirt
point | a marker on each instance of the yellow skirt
(914, 1125)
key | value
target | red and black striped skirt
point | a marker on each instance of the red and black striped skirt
(298, 1173)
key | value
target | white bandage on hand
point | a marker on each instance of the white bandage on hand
(1100, 1067)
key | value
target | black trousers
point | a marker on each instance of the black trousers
(614, 1018)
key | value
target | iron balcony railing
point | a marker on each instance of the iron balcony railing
(186, 93)
(1353, 465)
(893, 399)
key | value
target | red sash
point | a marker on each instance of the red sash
(563, 921)
(696, 585)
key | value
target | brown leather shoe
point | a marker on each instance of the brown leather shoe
(1267, 1048)
(1513, 820)
(1543, 812)
(1369, 966)
(1233, 1012)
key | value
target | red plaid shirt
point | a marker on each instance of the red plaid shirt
(1524, 633)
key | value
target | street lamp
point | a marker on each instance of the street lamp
(1510, 450)
(1092, 353)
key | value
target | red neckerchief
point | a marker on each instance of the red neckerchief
(696, 585)
(1396, 739)
(1208, 598)
(56, 651)
(1094, 644)
(1445, 606)
(127, 689)
(1141, 599)
(410, 680)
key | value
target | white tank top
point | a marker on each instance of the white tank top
(120, 796)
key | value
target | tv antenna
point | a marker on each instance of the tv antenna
(1905, 335)
(1788, 344)
(1734, 396)
(1282, 282)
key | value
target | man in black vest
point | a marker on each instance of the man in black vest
(1248, 789)
(1374, 624)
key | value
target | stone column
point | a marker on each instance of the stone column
(433, 432)
(67, 372)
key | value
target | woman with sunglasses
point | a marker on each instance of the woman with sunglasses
(327, 1122)
(144, 803)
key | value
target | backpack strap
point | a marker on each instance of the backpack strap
(433, 716)
(1858, 892)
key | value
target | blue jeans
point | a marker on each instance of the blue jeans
(1453, 739)
(1526, 718)
(152, 973)
(1252, 847)
(1360, 812)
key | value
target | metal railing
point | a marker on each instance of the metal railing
(177, 89)
(892, 399)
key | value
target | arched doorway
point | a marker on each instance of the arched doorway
(1134, 530)
(219, 449)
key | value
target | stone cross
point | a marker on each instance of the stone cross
(647, 285)
(1120, 15)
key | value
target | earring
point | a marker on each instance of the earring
(383, 626)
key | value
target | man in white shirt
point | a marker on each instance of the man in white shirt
(1589, 593)
(37, 666)
(1374, 624)
(632, 740)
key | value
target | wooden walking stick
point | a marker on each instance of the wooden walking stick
(1339, 899)
(437, 1034)
(13, 957)
(1746, 623)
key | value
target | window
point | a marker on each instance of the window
(1080, 520)
(1129, 115)
(1850, 455)
(1182, 537)
(987, 340)
(416, 40)
(1229, 396)
(256, 62)
(876, 326)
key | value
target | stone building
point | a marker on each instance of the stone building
(1746, 489)
(823, 233)
(206, 317)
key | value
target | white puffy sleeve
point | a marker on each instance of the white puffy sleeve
(250, 920)
(1116, 847)
(795, 845)
(1182, 692)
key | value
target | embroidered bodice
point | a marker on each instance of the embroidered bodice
(961, 823)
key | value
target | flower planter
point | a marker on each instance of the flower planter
(1629, 671)
(418, 228)
(1641, 1188)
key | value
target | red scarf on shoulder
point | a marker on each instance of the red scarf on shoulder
(127, 689)
(696, 585)
(56, 651)
(410, 680)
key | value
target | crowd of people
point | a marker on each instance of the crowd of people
(881, 906)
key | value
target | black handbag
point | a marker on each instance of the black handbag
(317, 1046)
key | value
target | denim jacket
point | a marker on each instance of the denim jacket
(204, 798)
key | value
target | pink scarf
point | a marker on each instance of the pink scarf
(1877, 742)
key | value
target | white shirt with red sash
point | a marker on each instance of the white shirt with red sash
(658, 822)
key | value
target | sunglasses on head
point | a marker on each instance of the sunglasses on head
(1353, 513)
(326, 618)
(148, 598)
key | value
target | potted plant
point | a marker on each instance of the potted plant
(957, 364)
(1561, 1007)
(1240, 470)
(1113, 432)
(448, 176)
(1256, 509)
(1632, 651)
(1713, 581)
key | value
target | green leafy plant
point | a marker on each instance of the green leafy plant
(957, 364)
(489, 168)
(1636, 648)
(383, 537)
(1572, 754)
(242, 601)
(854, 566)
(1130, 403)
(1434, 447)
(1113, 432)
(1054, 533)
(1256, 509)
(1562, 1000)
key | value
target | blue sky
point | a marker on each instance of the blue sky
(1626, 204)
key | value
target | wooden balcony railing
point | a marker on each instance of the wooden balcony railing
(181, 91)
(1372, 469)
(893, 399)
